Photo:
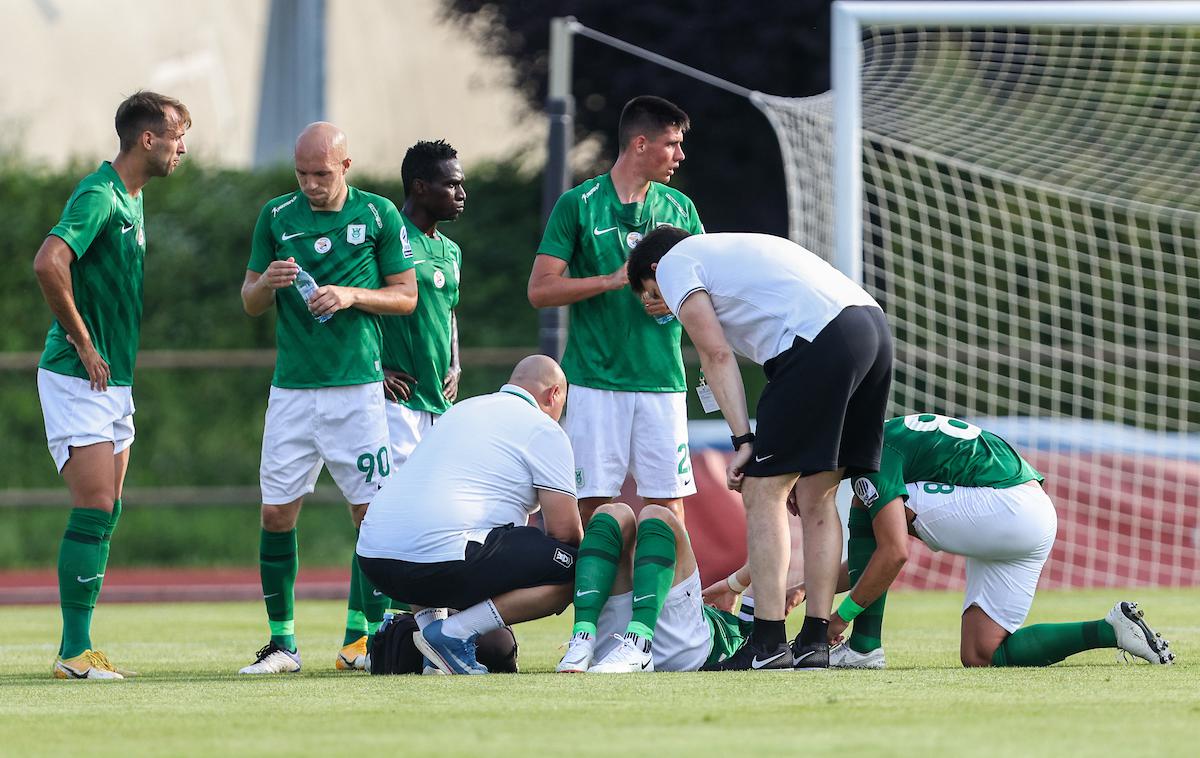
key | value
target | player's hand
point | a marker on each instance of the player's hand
(619, 278)
(793, 598)
(837, 628)
(734, 472)
(330, 299)
(792, 508)
(450, 384)
(655, 306)
(397, 385)
(720, 596)
(280, 274)
(98, 370)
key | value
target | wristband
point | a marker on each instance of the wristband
(741, 440)
(849, 609)
(732, 582)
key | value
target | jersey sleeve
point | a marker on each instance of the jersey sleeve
(678, 276)
(550, 459)
(695, 226)
(390, 249)
(83, 218)
(885, 485)
(562, 229)
(262, 244)
(458, 271)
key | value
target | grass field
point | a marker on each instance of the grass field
(189, 701)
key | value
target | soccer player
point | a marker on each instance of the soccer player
(326, 403)
(90, 272)
(628, 411)
(638, 605)
(448, 528)
(824, 346)
(962, 489)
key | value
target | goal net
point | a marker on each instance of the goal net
(1030, 223)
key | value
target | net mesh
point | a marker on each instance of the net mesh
(1030, 224)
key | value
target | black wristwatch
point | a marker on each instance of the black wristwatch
(741, 440)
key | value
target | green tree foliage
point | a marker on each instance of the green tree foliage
(733, 170)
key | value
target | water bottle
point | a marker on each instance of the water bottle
(308, 289)
(665, 319)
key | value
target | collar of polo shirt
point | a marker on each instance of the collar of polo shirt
(520, 392)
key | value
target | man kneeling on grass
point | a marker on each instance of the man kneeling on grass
(448, 529)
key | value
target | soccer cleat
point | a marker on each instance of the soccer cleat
(272, 659)
(450, 655)
(845, 657)
(752, 657)
(90, 664)
(353, 657)
(1135, 637)
(630, 657)
(813, 657)
(581, 648)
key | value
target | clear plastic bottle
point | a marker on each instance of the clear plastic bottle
(665, 318)
(308, 289)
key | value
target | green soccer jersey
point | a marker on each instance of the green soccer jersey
(419, 343)
(611, 343)
(925, 447)
(727, 633)
(355, 247)
(103, 226)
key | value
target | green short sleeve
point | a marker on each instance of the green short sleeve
(390, 249)
(562, 228)
(83, 218)
(262, 246)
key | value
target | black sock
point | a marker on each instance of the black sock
(768, 634)
(815, 631)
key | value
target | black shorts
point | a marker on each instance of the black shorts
(511, 558)
(824, 404)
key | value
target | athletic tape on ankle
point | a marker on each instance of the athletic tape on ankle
(734, 584)
(849, 609)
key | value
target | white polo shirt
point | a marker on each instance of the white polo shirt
(478, 467)
(766, 290)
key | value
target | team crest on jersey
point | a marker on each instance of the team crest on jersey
(865, 490)
(439, 279)
(563, 558)
(578, 478)
(356, 234)
(322, 245)
(632, 239)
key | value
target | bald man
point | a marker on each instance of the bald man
(449, 528)
(331, 259)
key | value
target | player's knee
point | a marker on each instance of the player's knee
(619, 511)
(276, 519)
(660, 512)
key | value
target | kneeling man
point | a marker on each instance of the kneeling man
(448, 530)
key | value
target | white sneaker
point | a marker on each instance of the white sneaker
(844, 657)
(272, 659)
(630, 657)
(1135, 637)
(581, 648)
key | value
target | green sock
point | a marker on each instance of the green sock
(653, 570)
(867, 633)
(595, 570)
(105, 544)
(278, 565)
(356, 620)
(1043, 644)
(79, 574)
(375, 603)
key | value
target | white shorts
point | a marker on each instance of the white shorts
(343, 427)
(682, 639)
(406, 427)
(639, 433)
(77, 416)
(1005, 534)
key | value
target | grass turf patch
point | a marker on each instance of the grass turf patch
(190, 701)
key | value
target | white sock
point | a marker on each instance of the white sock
(478, 619)
(427, 616)
(746, 611)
